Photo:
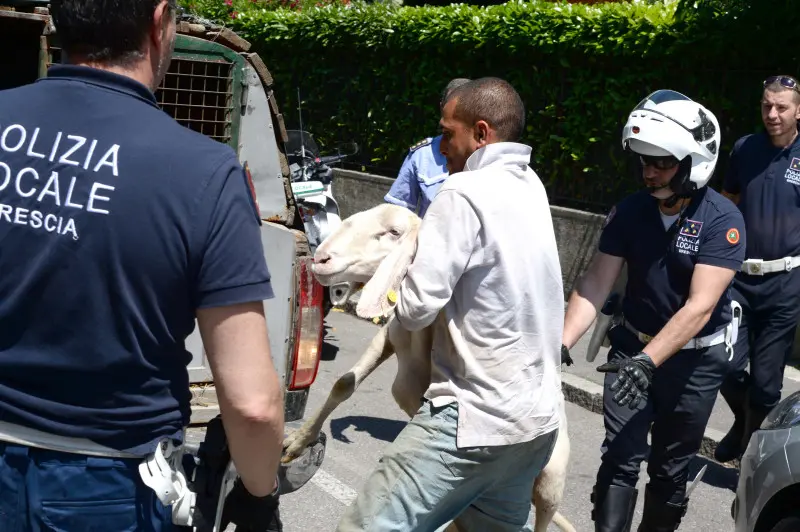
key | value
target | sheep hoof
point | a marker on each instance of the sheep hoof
(294, 445)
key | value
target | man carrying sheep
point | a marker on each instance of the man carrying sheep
(490, 417)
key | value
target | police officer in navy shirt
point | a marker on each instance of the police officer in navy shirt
(764, 179)
(119, 227)
(670, 350)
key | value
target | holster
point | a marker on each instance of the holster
(207, 472)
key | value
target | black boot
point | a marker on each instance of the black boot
(613, 508)
(754, 417)
(729, 448)
(660, 516)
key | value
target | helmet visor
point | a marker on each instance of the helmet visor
(659, 97)
(659, 162)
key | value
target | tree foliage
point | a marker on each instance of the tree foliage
(373, 73)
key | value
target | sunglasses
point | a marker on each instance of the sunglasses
(666, 162)
(785, 81)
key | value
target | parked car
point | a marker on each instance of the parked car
(769, 479)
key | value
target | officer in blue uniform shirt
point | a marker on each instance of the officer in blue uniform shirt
(119, 227)
(764, 179)
(670, 348)
(424, 169)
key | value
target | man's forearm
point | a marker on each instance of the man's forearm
(581, 312)
(255, 440)
(443, 250)
(683, 326)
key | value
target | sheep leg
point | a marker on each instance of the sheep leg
(413, 366)
(548, 490)
(379, 350)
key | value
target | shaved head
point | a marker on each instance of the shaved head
(494, 101)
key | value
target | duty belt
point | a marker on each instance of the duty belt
(695, 343)
(728, 335)
(762, 267)
(28, 437)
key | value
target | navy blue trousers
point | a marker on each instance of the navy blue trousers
(770, 311)
(679, 404)
(62, 492)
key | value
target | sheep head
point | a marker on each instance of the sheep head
(374, 247)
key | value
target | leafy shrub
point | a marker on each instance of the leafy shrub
(373, 73)
(225, 11)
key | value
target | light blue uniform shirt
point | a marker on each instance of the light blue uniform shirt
(423, 172)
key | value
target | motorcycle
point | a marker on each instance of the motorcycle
(312, 178)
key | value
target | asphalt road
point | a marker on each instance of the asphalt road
(364, 425)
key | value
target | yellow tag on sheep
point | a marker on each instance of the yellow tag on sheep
(376, 320)
(391, 295)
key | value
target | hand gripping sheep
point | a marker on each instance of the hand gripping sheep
(375, 248)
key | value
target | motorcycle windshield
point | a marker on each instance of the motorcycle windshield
(299, 141)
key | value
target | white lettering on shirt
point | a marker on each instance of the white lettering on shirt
(47, 194)
(792, 176)
(8, 133)
(79, 141)
(686, 245)
(36, 219)
(7, 178)
(94, 196)
(55, 147)
(31, 191)
(30, 151)
(112, 153)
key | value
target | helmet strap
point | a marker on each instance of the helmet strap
(680, 183)
(674, 199)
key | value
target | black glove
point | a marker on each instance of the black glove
(565, 357)
(633, 380)
(250, 513)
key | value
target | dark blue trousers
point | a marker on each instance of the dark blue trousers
(62, 492)
(770, 311)
(679, 404)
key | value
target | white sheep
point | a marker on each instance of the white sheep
(375, 248)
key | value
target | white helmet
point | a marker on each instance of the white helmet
(669, 123)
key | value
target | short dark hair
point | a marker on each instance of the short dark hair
(451, 86)
(493, 100)
(105, 31)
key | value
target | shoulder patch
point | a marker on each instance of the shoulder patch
(610, 216)
(251, 189)
(420, 144)
(732, 235)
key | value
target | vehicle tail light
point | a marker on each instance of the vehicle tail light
(308, 330)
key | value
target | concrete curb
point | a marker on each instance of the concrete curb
(589, 395)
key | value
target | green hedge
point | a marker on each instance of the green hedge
(373, 73)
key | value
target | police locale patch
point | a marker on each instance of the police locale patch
(732, 235)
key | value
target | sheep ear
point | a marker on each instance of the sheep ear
(374, 300)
